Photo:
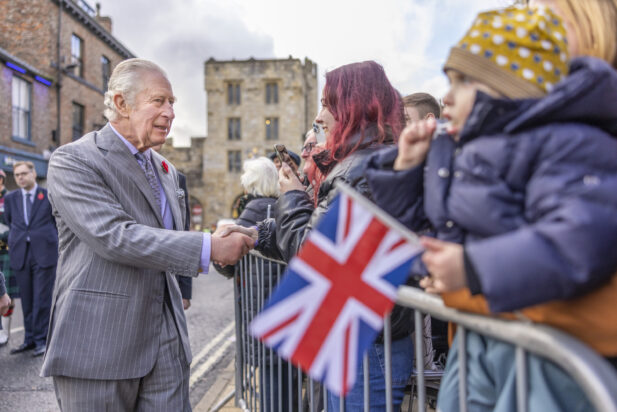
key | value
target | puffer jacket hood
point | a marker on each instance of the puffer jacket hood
(588, 96)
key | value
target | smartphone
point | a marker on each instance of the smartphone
(320, 135)
(281, 152)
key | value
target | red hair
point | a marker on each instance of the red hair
(359, 96)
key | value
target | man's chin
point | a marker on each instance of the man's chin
(157, 139)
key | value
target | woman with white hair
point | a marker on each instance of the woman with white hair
(261, 187)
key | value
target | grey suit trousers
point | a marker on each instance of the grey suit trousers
(164, 388)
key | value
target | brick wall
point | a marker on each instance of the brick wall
(28, 31)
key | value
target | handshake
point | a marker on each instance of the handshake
(230, 243)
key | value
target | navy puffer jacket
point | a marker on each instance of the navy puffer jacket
(530, 189)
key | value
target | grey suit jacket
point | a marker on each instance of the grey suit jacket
(115, 260)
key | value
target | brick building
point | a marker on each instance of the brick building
(43, 103)
(252, 104)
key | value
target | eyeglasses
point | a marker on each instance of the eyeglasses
(308, 147)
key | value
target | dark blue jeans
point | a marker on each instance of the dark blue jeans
(402, 366)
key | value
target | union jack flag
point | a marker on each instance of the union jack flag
(329, 306)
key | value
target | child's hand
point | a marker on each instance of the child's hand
(413, 144)
(444, 261)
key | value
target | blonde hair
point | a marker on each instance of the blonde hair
(126, 80)
(27, 163)
(260, 177)
(595, 26)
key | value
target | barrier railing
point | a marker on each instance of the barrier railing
(266, 383)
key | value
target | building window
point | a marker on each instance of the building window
(22, 91)
(234, 131)
(77, 55)
(106, 71)
(233, 93)
(272, 128)
(272, 93)
(78, 120)
(234, 161)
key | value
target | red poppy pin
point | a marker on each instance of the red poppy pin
(165, 167)
(41, 196)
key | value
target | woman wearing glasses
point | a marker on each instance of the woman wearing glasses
(361, 112)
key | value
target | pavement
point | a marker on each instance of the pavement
(220, 389)
(210, 322)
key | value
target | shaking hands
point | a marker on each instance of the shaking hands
(227, 248)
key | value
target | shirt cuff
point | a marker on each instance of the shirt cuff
(204, 262)
(257, 240)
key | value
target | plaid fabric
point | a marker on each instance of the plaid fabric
(11, 282)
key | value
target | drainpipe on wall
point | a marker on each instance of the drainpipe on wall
(59, 75)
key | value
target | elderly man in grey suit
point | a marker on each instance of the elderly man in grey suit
(118, 337)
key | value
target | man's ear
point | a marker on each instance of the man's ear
(122, 106)
(429, 116)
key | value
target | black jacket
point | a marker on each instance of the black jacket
(281, 238)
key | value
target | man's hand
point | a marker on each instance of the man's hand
(288, 180)
(186, 303)
(5, 302)
(229, 249)
(444, 261)
(413, 144)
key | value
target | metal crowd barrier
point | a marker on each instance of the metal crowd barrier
(255, 278)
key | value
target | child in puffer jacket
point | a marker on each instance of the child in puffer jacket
(522, 196)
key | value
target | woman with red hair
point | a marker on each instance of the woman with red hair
(361, 112)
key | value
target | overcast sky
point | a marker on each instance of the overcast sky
(410, 38)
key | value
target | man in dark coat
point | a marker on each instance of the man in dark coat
(33, 253)
(185, 282)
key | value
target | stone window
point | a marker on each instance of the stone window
(234, 129)
(78, 120)
(77, 55)
(272, 128)
(22, 94)
(233, 93)
(272, 93)
(234, 161)
(106, 71)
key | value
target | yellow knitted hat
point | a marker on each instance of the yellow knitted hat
(519, 51)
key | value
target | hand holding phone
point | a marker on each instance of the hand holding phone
(288, 179)
(281, 153)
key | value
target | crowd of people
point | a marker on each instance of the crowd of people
(514, 194)
(516, 198)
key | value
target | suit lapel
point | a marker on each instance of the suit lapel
(39, 196)
(19, 200)
(169, 187)
(119, 156)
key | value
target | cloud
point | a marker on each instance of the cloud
(180, 39)
(410, 38)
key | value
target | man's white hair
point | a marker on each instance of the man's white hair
(260, 177)
(126, 80)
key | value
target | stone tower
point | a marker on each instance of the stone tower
(252, 104)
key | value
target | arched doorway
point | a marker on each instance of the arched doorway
(197, 214)
(237, 206)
